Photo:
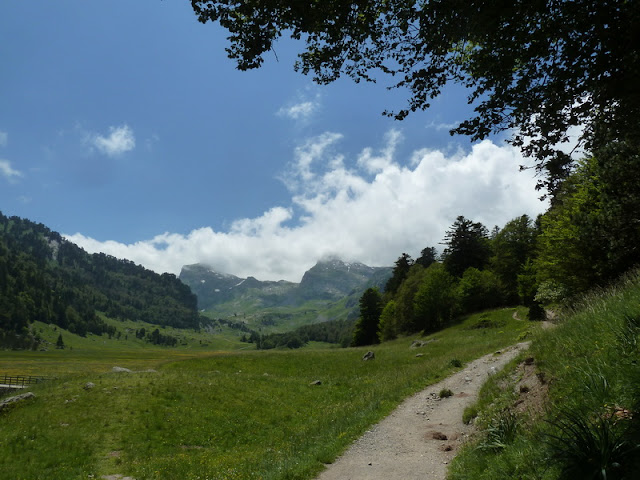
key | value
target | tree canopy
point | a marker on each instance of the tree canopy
(467, 245)
(532, 68)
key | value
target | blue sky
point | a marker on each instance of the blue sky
(124, 126)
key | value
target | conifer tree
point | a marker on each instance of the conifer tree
(366, 330)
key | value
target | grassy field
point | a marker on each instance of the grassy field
(220, 415)
(268, 320)
(591, 429)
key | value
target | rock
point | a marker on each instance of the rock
(417, 344)
(316, 382)
(89, 385)
(121, 370)
(420, 355)
(16, 399)
(369, 356)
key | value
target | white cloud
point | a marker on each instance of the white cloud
(441, 126)
(7, 171)
(371, 212)
(119, 141)
(4, 138)
(301, 109)
(298, 111)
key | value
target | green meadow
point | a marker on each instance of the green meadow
(202, 414)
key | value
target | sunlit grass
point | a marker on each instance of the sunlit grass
(220, 415)
(591, 363)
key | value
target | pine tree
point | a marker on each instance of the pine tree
(366, 330)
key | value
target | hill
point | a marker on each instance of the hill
(44, 277)
(328, 291)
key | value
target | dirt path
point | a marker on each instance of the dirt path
(420, 437)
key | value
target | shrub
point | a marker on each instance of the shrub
(469, 414)
(445, 393)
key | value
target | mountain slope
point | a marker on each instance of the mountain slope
(44, 277)
(214, 288)
(329, 290)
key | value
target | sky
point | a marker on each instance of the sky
(125, 127)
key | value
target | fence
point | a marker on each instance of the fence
(19, 381)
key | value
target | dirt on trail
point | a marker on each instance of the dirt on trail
(420, 437)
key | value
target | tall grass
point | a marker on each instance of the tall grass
(591, 361)
(253, 415)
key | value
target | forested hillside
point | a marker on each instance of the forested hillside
(589, 236)
(44, 277)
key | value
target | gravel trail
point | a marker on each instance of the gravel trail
(420, 437)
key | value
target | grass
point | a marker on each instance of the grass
(592, 427)
(280, 319)
(233, 415)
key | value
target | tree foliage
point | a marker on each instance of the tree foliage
(534, 68)
(467, 245)
(436, 299)
(388, 327)
(399, 274)
(427, 257)
(338, 332)
(405, 316)
(366, 329)
(512, 247)
(479, 290)
(591, 234)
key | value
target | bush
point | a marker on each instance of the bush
(446, 393)
(469, 414)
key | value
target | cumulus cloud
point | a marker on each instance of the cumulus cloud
(119, 141)
(7, 171)
(371, 208)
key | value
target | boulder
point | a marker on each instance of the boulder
(121, 370)
(16, 399)
(369, 356)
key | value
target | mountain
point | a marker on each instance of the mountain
(47, 278)
(329, 290)
(214, 288)
(333, 279)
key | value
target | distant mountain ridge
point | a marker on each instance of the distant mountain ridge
(213, 288)
(328, 282)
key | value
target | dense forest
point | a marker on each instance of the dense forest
(588, 237)
(46, 278)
